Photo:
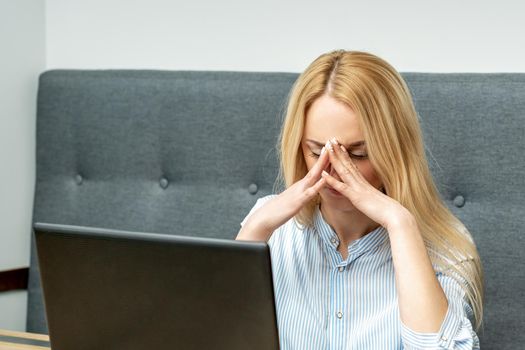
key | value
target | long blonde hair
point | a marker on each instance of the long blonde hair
(380, 96)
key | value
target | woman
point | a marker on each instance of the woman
(365, 254)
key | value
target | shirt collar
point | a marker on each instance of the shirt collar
(371, 240)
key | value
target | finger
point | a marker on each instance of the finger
(337, 185)
(350, 164)
(321, 163)
(351, 176)
(342, 163)
(341, 154)
(314, 190)
(344, 157)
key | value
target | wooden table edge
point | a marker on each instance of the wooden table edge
(34, 336)
(15, 346)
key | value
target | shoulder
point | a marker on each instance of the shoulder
(258, 203)
(449, 257)
(261, 200)
(285, 232)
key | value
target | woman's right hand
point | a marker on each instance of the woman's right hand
(278, 210)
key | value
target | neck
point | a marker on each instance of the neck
(348, 225)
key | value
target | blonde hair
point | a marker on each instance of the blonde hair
(380, 97)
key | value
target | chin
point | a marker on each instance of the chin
(335, 201)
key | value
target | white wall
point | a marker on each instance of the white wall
(265, 35)
(22, 58)
(285, 35)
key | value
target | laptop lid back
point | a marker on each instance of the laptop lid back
(108, 289)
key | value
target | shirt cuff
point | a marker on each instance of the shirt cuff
(443, 339)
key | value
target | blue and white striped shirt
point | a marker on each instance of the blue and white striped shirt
(325, 302)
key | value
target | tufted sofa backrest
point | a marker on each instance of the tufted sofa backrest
(182, 152)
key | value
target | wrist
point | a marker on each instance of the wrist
(400, 218)
(253, 230)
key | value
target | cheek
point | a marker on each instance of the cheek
(310, 161)
(369, 173)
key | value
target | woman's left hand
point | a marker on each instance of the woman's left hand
(366, 198)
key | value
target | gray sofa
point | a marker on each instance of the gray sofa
(181, 152)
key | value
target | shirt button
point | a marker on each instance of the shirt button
(334, 241)
(444, 338)
(339, 314)
(341, 268)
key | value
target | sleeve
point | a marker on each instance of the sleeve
(456, 331)
(259, 203)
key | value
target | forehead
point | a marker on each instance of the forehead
(327, 118)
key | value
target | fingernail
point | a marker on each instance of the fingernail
(322, 150)
(325, 173)
(329, 146)
(334, 141)
(342, 148)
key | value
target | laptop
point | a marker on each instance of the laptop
(110, 289)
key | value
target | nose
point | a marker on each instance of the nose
(332, 172)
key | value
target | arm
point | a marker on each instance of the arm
(422, 302)
(251, 230)
(272, 212)
(433, 308)
(430, 317)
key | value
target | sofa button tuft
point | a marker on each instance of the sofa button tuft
(79, 179)
(253, 188)
(459, 201)
(163, 183)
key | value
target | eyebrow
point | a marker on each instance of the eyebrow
(355, 144)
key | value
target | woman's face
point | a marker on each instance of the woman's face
(327, 118)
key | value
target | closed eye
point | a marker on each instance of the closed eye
(358, 156)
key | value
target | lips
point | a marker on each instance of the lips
(334, 192)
